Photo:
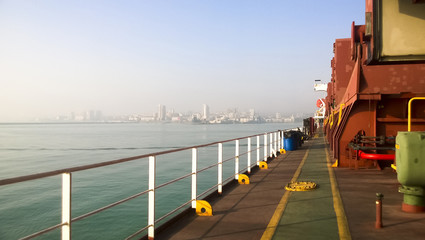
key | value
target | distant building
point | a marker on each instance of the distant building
(93, 115)
(252, 113)
(278, 115)
(147, 118)
(290, 119)
(205, 112)
(161, 112)
(98, 115)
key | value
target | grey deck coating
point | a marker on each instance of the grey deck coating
(244, 211)
(310, 214)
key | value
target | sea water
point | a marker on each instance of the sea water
(26, 149)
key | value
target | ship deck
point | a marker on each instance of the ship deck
(341, 207)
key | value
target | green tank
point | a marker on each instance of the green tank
(410, 161)
(410, 158)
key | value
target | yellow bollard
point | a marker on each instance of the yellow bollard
(243, 179)
(203, 208)
(263, 165)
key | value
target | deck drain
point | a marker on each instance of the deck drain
(300, 186)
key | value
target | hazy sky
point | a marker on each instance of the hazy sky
(125, 57)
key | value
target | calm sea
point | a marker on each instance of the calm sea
(33, 148)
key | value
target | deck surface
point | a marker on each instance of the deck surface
(245, 211)
(310, 212)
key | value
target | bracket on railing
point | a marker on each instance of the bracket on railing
(263, 165)
(203, 208)
(243, 179)
(273, 154)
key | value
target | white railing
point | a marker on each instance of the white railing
(270, 148)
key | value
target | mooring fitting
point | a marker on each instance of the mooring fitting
(379, 197)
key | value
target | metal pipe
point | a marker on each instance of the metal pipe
(265, 147)
(220, 168)
(376, 156)
(151, 197)
(39, 233)
(378, 202)
(109, 206)
(237, 160)
(173, 211)
(278, 141)
(271, 145)
(137, 233)
(258, 150)
(249, 156)
(66, 206)
(409, 111)
(194, 171)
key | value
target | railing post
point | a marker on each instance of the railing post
(220, 168)
(66, 206)
(271, 145)
(194, 170)
(151, 210)
(280, 140)
(265, 147)
(249, 155)
(237, 160)
(275, 143)
(258, 150)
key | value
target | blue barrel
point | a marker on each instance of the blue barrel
(289, 144)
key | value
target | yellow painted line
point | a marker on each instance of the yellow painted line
(343, 229)
(274, 221)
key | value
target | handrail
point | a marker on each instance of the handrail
(409, 111)
(109, 206)
(271, 144)
(107, 163)
(39, 233)
(340, 112)
(332, 118)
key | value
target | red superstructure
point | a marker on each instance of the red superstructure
(374, 75)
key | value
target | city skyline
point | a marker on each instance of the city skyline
(125, 57)
(159, 112)
(164, 114)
